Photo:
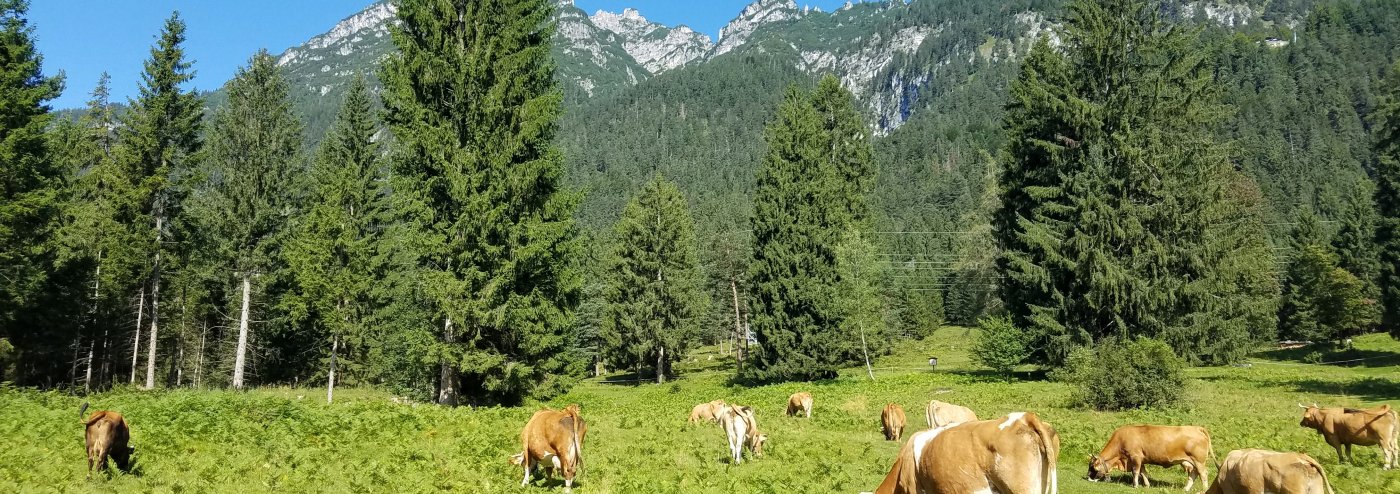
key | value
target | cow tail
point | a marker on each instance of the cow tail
(1049, 454)
(578, 447)
(1325, 483)
(82, 410)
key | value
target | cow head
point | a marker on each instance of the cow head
(1098, 468)
(756, 443)
(1312, 416)
(122, 456)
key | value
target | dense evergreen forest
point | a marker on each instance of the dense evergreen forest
(465, 228)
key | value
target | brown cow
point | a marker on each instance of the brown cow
(1348, 426)
(1133, 446)
(939, 414)
(1252, 471)
(707, 412)
(903, 477)
(106, 435)
(1015, 454)
(800, 403)
(555, 438)
(892, 421)
(741, 429)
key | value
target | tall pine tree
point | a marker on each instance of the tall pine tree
(332, 251)
(654, 295)
(802, 206)
(471, 99)
(159, 136)
(1115, 219)
(252, 156)
(1388, 202)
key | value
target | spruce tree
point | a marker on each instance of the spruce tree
(159, 136)
(846, 145)
(654, 292)
(252, 156)
(793, 275)
(1355, 240)
(29, 180)
(1114, 194)
(1388, 202)
(331, 253)
(471, 99)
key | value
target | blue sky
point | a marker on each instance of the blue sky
(83, 38)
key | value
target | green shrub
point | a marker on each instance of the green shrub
(1142, 373)
(1000, 345)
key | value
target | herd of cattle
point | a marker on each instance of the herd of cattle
(958, 454)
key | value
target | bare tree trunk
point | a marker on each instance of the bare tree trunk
(447, 394)
(738, 326)
(242, 348)
(92, 317)
(155, 304)
(330, 377)
(660, 365)
(866, 351)
(136, 342)
(199, 361)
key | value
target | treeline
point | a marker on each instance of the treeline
(1205, 189)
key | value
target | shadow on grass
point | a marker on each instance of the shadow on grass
(988, 376)
(1333, 355)
(1369, 389)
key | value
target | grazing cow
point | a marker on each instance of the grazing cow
(892, 420)
(1348, 426)
(1015, 454)
(106, 436)
(554, 437)
(707, 412)
(741, 428)
(800, 403)
(940, 414)
(1133, 446)
(1252, 471)
(903, 477)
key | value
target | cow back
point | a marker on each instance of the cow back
(1017, 453)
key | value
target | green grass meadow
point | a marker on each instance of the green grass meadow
(290, 440)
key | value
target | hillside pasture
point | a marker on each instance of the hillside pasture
(290, 440)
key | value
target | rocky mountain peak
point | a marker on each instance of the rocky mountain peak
(756, 14)
(655, 47)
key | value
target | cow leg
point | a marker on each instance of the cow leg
(529, 463)
(1350, 459)
(1341, 458)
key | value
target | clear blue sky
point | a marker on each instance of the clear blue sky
(83, 38)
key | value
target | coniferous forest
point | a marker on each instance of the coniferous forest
(468, 229)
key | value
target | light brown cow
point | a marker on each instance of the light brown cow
(553, 438)
(106, 435)
(1134, 446)
(1252, 471)
(800, 403)
(892, 421)
(1015, 454)
(1348, 426)
(706, 412)
(903, 477)
(741, 429)
(939, 414)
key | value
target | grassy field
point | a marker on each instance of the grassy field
(289, 440)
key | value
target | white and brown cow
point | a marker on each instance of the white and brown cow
(1253, 471)
(741, 430)
(1132, 447)
(1015, 454)
(1348, 426)
(553, 438)
(800, 403)
(939, 414)
(706, 412)
(892, 421)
